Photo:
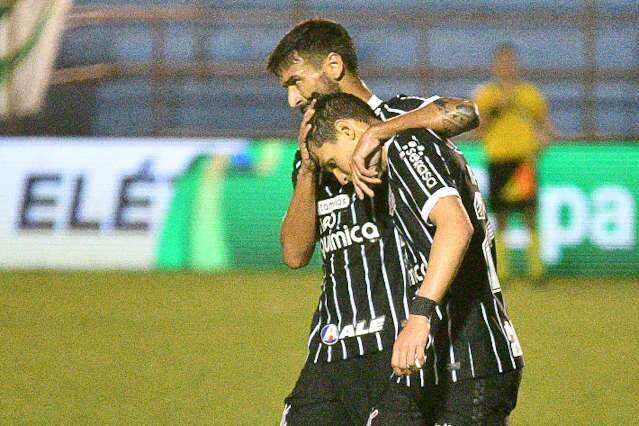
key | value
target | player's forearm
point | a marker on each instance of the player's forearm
(297, 234)
(447, 253)
(446, 116)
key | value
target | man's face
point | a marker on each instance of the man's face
(335, 156)
(505, 65)
(303, 79)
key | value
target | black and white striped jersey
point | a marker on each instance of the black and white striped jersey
(362, 288)
(365, 292)
(472, 335)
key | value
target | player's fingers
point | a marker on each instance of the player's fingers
(365, 189)
(358, 191)
(370, 171)
(410, 357)
(371, 180)
(359, 163)
(304, 131)
(310, 112)
(420, 357)
(395, 363)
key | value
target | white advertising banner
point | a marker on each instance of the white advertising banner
(78, 203)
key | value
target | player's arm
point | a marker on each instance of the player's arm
(299, 227)
(546, 127)
(447, 117)
(454, 232)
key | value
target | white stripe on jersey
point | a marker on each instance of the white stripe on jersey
(472, 363)
(389, 294)
(283, 421)
(393, 171)
(492, 338)
(501, 327)
(409, 166)
(339, 313)
(439, 152)
(435, 134)
(403, 267)
(433, 168)
(450, 341)
(493, 279)
(319, 321)
(371, 306)
(435, 357)
(418, 219)
(350, 285)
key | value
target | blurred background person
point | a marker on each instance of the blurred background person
(515, 126)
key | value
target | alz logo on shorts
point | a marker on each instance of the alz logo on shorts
(330, 334)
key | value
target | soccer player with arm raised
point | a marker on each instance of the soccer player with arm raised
(457, 331)
(363, 297)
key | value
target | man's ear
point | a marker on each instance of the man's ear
(345, 127)
(333, 66)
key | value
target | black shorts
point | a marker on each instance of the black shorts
(485, 401)
(339, 392)
(513, 185)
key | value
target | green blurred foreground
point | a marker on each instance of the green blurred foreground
(180, 348)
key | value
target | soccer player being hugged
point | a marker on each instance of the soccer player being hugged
(458, 332)
(363, 297)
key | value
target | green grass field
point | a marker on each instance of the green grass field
(224, 349)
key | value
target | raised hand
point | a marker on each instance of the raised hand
(308, 164)
(365, 163)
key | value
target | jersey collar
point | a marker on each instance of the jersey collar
(374, 102)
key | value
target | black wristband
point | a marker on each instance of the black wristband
(422, 306)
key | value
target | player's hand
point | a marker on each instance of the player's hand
(409, 348)
(308, 165)
(366, 162)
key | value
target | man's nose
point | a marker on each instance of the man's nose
(342, 178)
(295, 99)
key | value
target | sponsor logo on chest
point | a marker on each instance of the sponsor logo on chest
(415, 155)
(330, 205)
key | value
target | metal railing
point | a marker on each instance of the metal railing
(159, 71)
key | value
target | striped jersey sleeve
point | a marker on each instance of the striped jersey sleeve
(421, 170)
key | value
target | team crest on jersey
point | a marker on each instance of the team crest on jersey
(329, 334)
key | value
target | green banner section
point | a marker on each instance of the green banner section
(226, 211)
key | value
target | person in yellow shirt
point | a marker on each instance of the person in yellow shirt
(515, 125)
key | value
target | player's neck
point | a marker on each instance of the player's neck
(356, 87)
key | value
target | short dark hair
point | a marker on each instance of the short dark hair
(505, 47)
(333, 107)
(314, 39)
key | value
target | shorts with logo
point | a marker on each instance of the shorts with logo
(484, 401)
(337, 393)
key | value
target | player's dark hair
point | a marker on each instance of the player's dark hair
(313, 40)
(505, 47)
(333, 107)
